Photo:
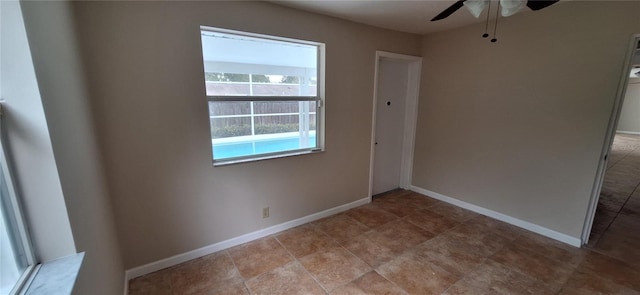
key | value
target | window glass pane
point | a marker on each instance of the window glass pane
(245, 76)
(241, 65)
(226, 77)
(276, 124)
(312, 122)
(230, 84)
(270, 127)
(12, 260)
(230, 127)
(272, 107)
(229, 108)
(229, 88)
(273, 89)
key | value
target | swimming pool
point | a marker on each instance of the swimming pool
(256, 145)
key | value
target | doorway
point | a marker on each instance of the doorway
(395, 101)
(617, 184)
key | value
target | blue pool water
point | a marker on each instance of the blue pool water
(265, 146)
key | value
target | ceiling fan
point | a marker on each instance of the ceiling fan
(509, 7)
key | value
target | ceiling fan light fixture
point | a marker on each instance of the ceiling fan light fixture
(476, 7)
(511, 7)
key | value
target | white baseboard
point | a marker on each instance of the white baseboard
(210, 249)
(573, 241)
(206, 250)
(629, 132)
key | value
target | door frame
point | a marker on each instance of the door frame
(611, 132)
(414, 64)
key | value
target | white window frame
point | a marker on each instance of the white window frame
(16, 220)
(318, 98)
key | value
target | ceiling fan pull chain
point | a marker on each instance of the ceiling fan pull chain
(495, 28)
(486, 24)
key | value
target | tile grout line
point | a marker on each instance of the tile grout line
(373, 269)
(617, 214)
(511, 242)
(390, 281)
(527, 275)
(349, 251)
(459, 223)
(244, 282)
(485, 259)
(295, 259)
(625, 202)
(596, 251)
(625, 155)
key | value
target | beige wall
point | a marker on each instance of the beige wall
(518, 126)
(146, 80)
(62, 85)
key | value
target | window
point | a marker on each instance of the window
(265, 95)
(16, 258)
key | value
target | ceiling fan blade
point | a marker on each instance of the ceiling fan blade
(540, 4)
(449, 11)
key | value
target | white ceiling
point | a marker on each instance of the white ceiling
(411, 16)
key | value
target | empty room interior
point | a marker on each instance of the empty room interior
(321, 147)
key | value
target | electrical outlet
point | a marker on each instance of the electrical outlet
(265, 212)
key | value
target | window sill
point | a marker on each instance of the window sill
(56, 277)
(265, 157)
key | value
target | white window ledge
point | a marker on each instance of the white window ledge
(56, 276)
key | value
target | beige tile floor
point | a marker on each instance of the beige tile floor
(401, 243)
(616, 228)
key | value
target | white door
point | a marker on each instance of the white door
(390, 122)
